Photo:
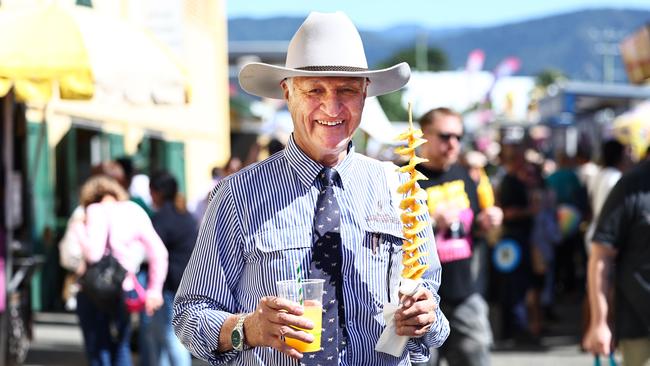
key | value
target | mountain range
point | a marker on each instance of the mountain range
(579, 43)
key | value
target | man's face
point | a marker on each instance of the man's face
(325, 111)
(444, 135)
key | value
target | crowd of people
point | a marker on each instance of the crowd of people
(517, 236)
(511, 232)
(151, 234)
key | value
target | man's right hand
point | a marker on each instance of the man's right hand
(445, 216)
(273, 320)
(598, 339)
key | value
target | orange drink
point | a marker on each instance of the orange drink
(308, 293)
(315, 314)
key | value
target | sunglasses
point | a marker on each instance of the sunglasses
(448, 136)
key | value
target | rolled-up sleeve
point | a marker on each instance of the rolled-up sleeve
(419, 348)
(206, 296)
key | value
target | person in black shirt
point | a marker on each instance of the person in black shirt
(518, 214)
(621, 243)
(178, 230)
(454, 208)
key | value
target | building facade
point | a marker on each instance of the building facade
(63, 139)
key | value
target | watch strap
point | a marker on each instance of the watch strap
(239, 328)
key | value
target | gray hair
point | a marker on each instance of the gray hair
(289, 82)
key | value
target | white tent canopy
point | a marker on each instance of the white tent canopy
(461, 90)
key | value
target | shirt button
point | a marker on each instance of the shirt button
(350, 323)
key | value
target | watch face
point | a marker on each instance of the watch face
(236, 339)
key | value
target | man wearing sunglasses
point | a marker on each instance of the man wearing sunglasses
(454, 207)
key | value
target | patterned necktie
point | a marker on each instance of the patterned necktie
(326, 264)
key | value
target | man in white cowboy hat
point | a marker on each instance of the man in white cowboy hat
(316, 205)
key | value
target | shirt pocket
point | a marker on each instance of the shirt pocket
(382, 258)
(280, 250)
(383, 237)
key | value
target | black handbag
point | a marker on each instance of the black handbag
(102, 282)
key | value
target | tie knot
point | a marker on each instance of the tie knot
(327, 176)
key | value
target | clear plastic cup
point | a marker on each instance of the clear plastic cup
(311, 292)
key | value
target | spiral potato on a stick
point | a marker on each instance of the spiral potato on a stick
(412, 258)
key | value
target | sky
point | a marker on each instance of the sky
(380, 14)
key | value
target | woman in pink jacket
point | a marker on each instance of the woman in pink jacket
(111, 219)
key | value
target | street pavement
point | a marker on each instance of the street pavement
(58, 342)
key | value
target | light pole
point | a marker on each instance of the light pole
(606, 42)
(609, 51)
(421, 52)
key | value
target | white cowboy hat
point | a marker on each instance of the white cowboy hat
(326, 44)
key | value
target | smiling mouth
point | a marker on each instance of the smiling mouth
(329, 123)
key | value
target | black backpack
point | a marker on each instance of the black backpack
(102, 282)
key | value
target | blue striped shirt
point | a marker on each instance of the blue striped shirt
(259, 225)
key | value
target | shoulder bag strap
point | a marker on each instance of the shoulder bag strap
(108, 250)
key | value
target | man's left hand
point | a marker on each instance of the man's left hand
(417, 314)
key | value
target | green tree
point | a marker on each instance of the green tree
(392, 105)
(547, 77)
(543, 80)
(436, 60)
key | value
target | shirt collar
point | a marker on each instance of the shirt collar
(307, 169)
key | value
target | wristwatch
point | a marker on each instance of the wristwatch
(237, 337)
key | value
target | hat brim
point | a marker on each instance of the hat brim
(263, 80)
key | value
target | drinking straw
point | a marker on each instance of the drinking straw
(299, 281)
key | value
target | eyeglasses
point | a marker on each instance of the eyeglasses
(448, 136)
